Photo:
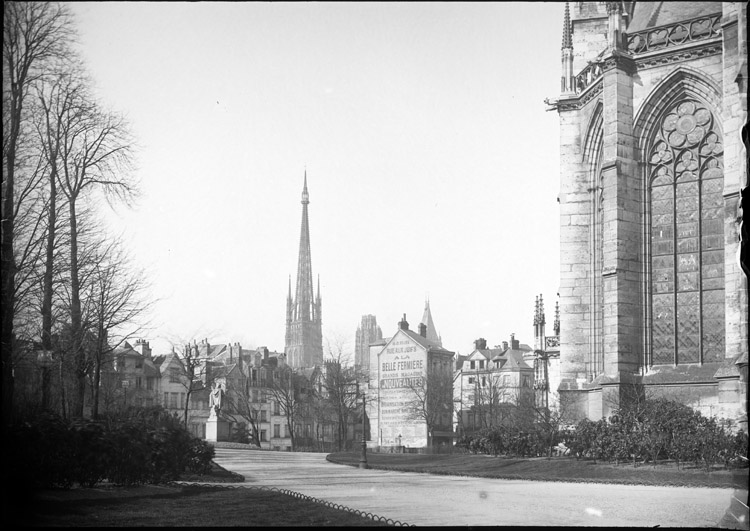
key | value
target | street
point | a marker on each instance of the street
(423, 499)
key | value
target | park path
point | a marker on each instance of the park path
(424, 499)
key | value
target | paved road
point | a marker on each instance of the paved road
(424, 499)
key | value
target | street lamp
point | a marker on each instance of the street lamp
(363, 457)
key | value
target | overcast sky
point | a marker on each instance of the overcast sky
(432, 165)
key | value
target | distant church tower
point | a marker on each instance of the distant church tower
(304, 337)
(368, 332)
(432, 334)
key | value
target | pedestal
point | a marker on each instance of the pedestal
(217, 429)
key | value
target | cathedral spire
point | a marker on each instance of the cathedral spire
(303, 299)
(305, 195)
(304, 347)
(432, 334)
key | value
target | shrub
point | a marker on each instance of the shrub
(141, 446)
(200, 455)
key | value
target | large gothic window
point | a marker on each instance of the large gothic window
(687, 238)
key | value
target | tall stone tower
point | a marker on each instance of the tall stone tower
(304, 337)
(652, 297)
(367, 332)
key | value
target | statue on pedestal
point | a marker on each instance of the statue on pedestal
(215, 399)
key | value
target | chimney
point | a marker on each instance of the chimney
(142, 348)
(423, 330)
(505, 346)
(403, 324)
(480, 344)
(514, 343)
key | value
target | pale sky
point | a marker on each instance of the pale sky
(432, 165)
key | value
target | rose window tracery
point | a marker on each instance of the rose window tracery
(687, 239)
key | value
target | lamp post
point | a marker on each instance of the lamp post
(363, 457)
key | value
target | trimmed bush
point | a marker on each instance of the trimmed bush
(647, 430)
(142, 446)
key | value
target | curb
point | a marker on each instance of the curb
(294, 494)
(545, 479)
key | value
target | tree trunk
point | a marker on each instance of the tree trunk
(97, 373)
(7, 260)
(75, 314)
(63, 408)
(290, 429)
(47, 280)
(188, 392)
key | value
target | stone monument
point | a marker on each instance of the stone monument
(217, 428)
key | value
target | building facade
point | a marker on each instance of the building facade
(492, 386)
(304, 336)
(652, 297)
(410, 391)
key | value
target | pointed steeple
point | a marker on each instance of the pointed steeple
(304, 346)
(567, 40)
(432, 334)
(556, 325)
(304, 297)
(305, 195)
(566, 79)
(542, 319)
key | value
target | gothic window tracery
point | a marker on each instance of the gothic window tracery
(687, 238)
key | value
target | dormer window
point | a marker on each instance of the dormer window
(472, 364)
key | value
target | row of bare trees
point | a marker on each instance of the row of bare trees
(70, 293)
(325, 398)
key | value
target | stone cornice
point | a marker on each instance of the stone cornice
(617, 59)
(578, 102)
(675, 55)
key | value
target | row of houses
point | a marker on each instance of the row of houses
(421, 394)
(254, 390)
(230, 393)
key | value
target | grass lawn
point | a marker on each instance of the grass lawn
(168, 506)
(554, 469)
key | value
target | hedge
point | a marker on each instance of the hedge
(145, 445)
(647, 431)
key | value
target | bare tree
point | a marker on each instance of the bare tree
(492, 399)
(241, 395)
(96, 155)
(116, 306)
(61, 103)
(33, 32)
(340, 385)
(432, 399)
(286, 389)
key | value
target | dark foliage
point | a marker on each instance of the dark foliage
(141, 446)
(646, 431)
